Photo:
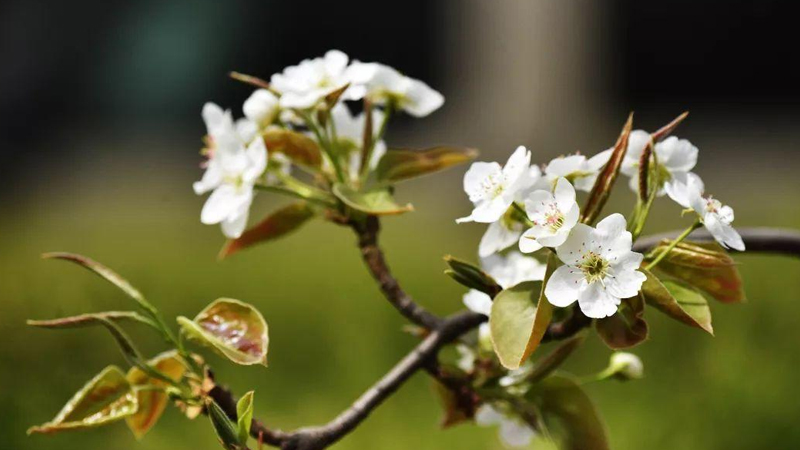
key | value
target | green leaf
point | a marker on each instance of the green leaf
(276, 225)
(519, 319)
(152, 401)
(234, 329)
(568, 414)
(377, 201)
(553, 360)
(605, 180)
(107, 398)
(91, 319)
(244, 411)
(404, 164)
(298, 147)
(223, 426)
(627, 327)
(706, 266)
(681, 303)
(471, 276)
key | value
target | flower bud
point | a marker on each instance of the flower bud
(625, 366)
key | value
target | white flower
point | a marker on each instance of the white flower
(384, 84)
(553, 216)
(233, 168)
(626, 366)
(304, 85)
(350, 131)
(492, 189)
(261, 107)
(676, 158)
(581, 172)
(508, 271)
(466, 358)
(513, 431)
(599, 268)
(716, 217)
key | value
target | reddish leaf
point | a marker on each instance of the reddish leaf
(627, 327)
(605, 180)
(276, 225)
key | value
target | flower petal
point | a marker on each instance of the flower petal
(596, 302)
(528, 242)
(478, 302)
(564, 286)
(497, 237)
(564, 195)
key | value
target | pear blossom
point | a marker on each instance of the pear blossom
(492, 189)
(513, 431)
(304, 85)
(262, 107)
(716, 217)
(466, 358)
(676, 158)
(580, 171)
(231, 172)
(599, 268)
(508, 271)
(385, 84)
(553, 216)
(506, 232)
(350, 131)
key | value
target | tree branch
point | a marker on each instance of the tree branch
(367, 232)
(443, 331)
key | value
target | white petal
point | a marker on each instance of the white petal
(223, 202)
(528, 243)
(487, 415)
(302, 100)
(496, 238)
(257, 156)
(565, 166)
(261, 107)
(681, 155)
(564, 286)
(596, 162)
(515, 433)
(564, 195)
(421, 99)
(554, 239)
(571, 251)
(211, 179)
(478, 302)
(475, 177)
(596, 302)
(538, 202)
(233, 226)
(335, 62)
(517, 165)
(247, 129)
(624, 283)
(490, 211)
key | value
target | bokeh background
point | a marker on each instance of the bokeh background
(100, 130)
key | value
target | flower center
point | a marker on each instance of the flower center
(713, 205)
(554, 219)
(594, 267)
(493, 185)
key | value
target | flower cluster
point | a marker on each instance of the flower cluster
(251, 153)
(537, 208)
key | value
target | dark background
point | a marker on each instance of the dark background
(100, 128)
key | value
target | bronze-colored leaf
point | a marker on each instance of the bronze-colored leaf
(152, 401)
(457, 408)
(679, 302)
(298, 147)
(107, 398)
(550, 362)
(471, 276)
(605, 180)
(569, 414)
(90, 319)
(276, 225)
(403, 164)
(234, 329)
(706, 266)
(627, 327)
(378, 202)
(667, 129)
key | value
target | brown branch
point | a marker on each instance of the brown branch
(367, 232)
(443, 331)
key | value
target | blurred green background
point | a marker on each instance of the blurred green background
(100, 110)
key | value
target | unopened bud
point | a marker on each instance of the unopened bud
(625, 366)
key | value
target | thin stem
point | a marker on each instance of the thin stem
(324, 143)
(697, 224)
(387, 114)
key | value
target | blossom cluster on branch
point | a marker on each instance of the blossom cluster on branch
(549, 267)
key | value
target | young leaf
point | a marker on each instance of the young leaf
(107, 398)
(298, 147)
(250, 79)
(627, 327)
(568, 414)
(152, 401)
(90, 319)
(667, 129)
(225, 429)
(605, 180)
(678, 302)
(403, 164)
(519, 319)
(549, 363)
(276, 225)
(471, 276)
(234, 329)
(706, 266)
(244, 411)
(378, 202)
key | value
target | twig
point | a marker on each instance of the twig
(443, 331)
(367, 232)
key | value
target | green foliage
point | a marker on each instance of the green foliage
(471, 276)
(244, 412)
(677, 301)
(375, 201)
(403, 164)
(519, 319)
(226, 430)
(150, 394)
